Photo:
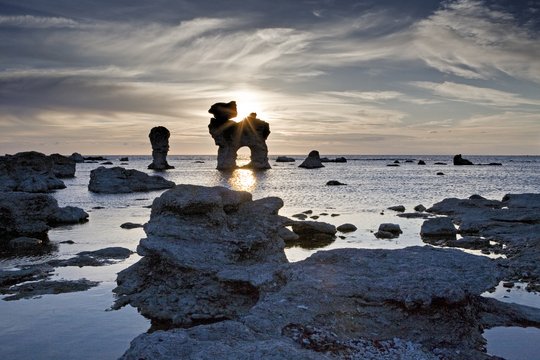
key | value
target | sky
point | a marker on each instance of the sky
(341, 77)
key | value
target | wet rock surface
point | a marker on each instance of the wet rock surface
(63, 166)
(119, 180)
(35, 289)
(23, 214)
(513, 224)
(29, 172)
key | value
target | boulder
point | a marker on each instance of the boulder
(28, 172)
(23, 214)
(387, 229)
(124, 159)
(344, 228)
(421, 162)
(313, 161)
(207, 254)
(159, 138)
(63, 167)
(285, 159)
(458, 160)
(230, 136)
(313, 227)
(119, 180)
(420, 208)
(78, 158)
(441, 227)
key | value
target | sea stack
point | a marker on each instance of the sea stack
(231, 136)
(159, 138)
(313, 161)
(458, 160)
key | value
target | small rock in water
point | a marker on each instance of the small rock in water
(440, 173)
(346, 228)
(421, 162)
(420, 208)
(398, 208)
(334, 183)
(124, 159)
(130, 225)
(300, 216)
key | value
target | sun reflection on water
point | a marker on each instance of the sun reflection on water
(243, 180)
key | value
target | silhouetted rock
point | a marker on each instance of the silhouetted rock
(458, 160)
(130, 225)
(119, 180)
(334, 183)
(440, 163)
(28, 172)
(313, 161)
(336, 160)
(230, 136)
(440, 173)
(421, 162)
(124, 159)
(94, 158)
(346, 228)
(78, 158)
(107, 163)
(159, 138)
(420, 208)
(393, 165)
(285, 159)
(398, 208)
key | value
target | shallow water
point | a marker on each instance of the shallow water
(78, 325)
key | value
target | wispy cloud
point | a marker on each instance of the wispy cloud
(37, 22)
(471, 40)
(476, 95)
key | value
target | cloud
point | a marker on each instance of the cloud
(37, 22)
(476, 95)
(471, 40)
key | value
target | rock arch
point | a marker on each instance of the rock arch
(230, 136)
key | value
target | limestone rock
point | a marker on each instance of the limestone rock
(207, 253)
(159, 138)
(28, 172)
(23, 214)
(458, 160)
(313, 227)
(63, 167)
(230, 136)
(388, 231)
(119, 180)
(313, 161)
(441, 227)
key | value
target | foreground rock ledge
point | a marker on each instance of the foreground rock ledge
(213, 255)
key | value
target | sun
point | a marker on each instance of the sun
(247, 102)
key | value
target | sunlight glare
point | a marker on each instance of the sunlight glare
(247, 101)
(243, 180)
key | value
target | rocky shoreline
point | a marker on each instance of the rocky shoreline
(215, 281)
(213, 268)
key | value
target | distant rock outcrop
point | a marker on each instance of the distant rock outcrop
(231, 136)
(28, 172)
(23, 214)
(63, 166)
(313, 161)
(159, 138)
(285, 159)
(78, 158)
(458, 160)
(119, 180)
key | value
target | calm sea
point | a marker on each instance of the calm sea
(79, 325)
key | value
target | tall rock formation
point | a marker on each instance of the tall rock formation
(159, 138)
(231, 136)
